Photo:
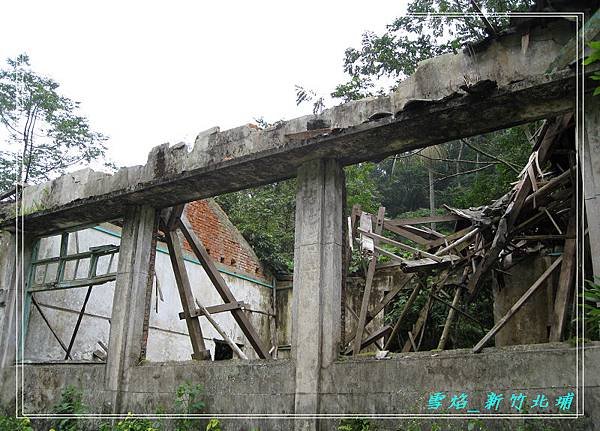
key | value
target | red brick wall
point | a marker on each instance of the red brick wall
(222, 240)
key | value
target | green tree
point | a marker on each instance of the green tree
(394, 55)
(45, 133)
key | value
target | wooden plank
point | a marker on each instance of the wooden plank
(174, 215)
(404, 247)
(513, 210)
(452, 237)
(418, 326)
(362, 317)
(407, 305)
(539, 282)
(425, 220)
(384, 302)
(407, 233)
(215, 277)
(186, 295)
(215, 309)
(419, 264)
(469, 236)
(449, 319)
(566, 277)
(381, 332)
(365, 224)
(349, 350)
(423, 315)
(222, 333)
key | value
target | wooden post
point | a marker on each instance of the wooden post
(449, 319)
(362, 318)
(186, 295)
(221, 287)
(566, 277)
(223, 334)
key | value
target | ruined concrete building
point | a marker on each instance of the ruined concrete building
(529, 72)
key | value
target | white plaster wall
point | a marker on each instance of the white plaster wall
(167, 337)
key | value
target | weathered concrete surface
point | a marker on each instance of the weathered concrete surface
(591, 175)
(404, 383)
(125, 342)
(14, 266)
(316, 308)
(168, 339)
(530, 325)
(362, 386)
(428, 108)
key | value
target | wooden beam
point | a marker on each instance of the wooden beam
(406, 233)
(222, 333)
(425, 220)
(362, 317)
(407, 305)
(174, 215)
(186, 295)
(566, 277)
(215, 309)
(215, 277)
(523, 189)
(381, 332)
(451, 237)
(539, 282)
(404, 247)
(449, 319)
(384, 302)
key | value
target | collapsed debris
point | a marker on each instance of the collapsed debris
(539, 213)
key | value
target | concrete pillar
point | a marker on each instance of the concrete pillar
(591, 177)
(127, 321)
(316, 307)
(531, 324)
(15, 260)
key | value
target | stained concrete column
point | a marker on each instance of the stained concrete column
(316, 306)
(591, 178)
(15, 260)
(127, 320)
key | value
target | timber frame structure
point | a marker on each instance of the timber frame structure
(500, 83)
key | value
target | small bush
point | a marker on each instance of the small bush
(70, 404)
(10, 423)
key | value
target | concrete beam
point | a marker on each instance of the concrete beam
(126, 325)
(316, 307)
(448, 97)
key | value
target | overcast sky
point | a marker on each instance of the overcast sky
(149, 72)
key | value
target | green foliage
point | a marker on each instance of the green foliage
(393, 55)
(131, 423)
(265, 217)
(11, 423)
(188, 402)
(70, 404)
(213, 425)
(46, 134)
(356, 425)
(591, 309)
(593, 57)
